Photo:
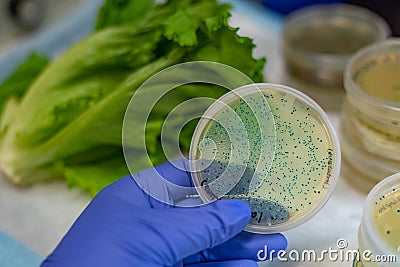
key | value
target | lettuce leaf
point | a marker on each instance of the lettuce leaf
(23, 76)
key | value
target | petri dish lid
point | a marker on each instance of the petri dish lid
(271, 146)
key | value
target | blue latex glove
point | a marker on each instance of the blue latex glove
(124, 226)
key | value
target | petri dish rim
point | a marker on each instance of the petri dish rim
(263, 229)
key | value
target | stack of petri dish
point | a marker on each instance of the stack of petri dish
(370, 122)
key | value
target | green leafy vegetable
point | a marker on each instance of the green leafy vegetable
(22, 77)
(119, 12)
(68, 123)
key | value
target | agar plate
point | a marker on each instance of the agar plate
(271, 146)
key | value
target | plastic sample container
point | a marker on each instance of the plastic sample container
(319, 40)
(379, 231)
(370, 123)
(271, 146)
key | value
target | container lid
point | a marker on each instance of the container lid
(271, 146)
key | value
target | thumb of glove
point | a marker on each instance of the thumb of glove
(174, 234)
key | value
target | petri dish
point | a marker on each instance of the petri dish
(319, 40)
(379, 231)
(282, 156)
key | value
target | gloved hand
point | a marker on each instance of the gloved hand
(124, 226)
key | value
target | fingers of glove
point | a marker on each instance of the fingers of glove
(174, 234)
(167, 183)
(176, 172)
(243, 246)
(124, 190)
(232, 263)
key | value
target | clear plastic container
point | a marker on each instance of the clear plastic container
(379, 231)
(271, 146)
(370, 124)
(319, 40)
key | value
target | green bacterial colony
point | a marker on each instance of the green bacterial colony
(289, 181)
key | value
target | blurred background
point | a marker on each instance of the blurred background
(21, 18)
(388, 9)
